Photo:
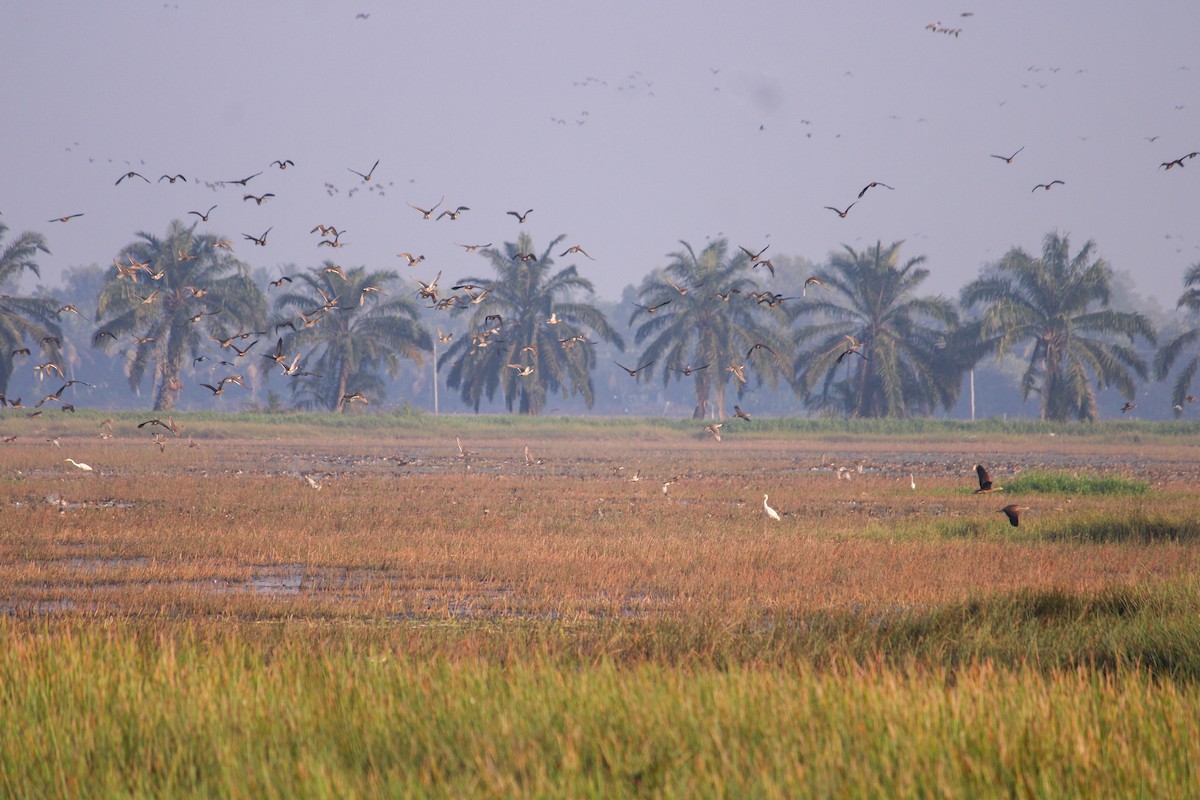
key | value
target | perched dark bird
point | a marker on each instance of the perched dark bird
(872, 185)
(985, 481)
(1047, 186)
(1009, 159)
(367, 177)
(841, 213)
(1013, 512)
(204, 216)
(131, 174)
(520, 217)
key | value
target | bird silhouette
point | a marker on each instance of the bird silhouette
(1009, 159)
(172, 178)
(67, 218)
(245, 180)
(1013, 512)
(203, 217)
(1047, 186)
(633, 373)
(841, 213)
(520, 217)
(428, 213)
(985, 481)
(366, 178)
(872, 185)
(258, 199)
(131, 174)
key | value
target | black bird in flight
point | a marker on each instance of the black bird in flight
(67, 218)
(520, 217)
(367, 177)
(841, 213)
(1009, 159)
(203, 216)
(652, 309)
(872, 185)
(245, 180)
(172, 178)
(284, 164)
(131, 174)
(633, 373)
(261, 241)
(1047, 186)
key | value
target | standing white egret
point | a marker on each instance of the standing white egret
(84, 467)
(772, 513)
(912, 482)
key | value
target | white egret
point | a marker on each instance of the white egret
(84, 467)
(772, 513)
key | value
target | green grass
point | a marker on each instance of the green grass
(1074, 484)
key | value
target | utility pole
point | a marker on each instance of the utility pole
(972, 394)
(435, 380)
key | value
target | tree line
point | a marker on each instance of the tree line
(855, 337)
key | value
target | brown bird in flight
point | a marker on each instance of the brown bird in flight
(633, 373)
(67, 218)
(520, 217)
(1013, 512)
(1047, 186)
(204, 216)
(841, 213)
(1009, 159)
(872, 185)
(131, 174)
(985, 482)
(366, 177)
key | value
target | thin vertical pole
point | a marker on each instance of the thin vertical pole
(972, 394)
(435, 380)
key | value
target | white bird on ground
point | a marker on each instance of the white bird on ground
(84, 467)
(772, 513)
(912, 482)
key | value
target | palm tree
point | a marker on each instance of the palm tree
(1165, 359)
(876, 348)
(1060, 305)
(709, 325)
(529, 334)
(169, 295)
(345, 331)
(23, 319)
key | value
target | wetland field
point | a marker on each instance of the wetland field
(305, 606)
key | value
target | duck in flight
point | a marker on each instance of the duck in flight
(872, 185)
(131, 174)
(1013, 512)
(633, 373)
(1009, 159)
(428, 213)
(261, 241)
(245, 180)
(520, 217)
(841, 213)
(367, 177)
(1047, 186)
(985, 482)
(203, 217)
(67, 218)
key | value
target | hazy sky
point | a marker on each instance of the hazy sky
(679, 120)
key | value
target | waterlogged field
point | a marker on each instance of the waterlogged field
(281, 607)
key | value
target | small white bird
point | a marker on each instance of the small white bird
(772, 513)
(84, 467)
(912, 482)
(312, 482)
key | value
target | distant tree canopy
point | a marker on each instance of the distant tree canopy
(1058, 305)
(26, 323)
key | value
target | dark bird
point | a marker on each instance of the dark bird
(261, 241)
(574, 249)
(872, 185)
(169, 424)
(853, 346)
(455, 214)
(766, 262)
(258, 199)
(67, 218)
(245, 180)
(524, 258)
(204, 216)
(1047, 186)
(428, 213)
(754, 257)
(520, 217)
(284, 164)
(985, 481)
(759, 346)
(810, 282)
(1128, 407)
(1009, 159)
(633, 373)
(841, 213)
(471, 248)
(688, 370)
(172, 178)
(652, 309)
(1013, 512)
(131, 174)
(737, 411)
(1169, 164)
(356, 397)
(366, 177)
(282, 280)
